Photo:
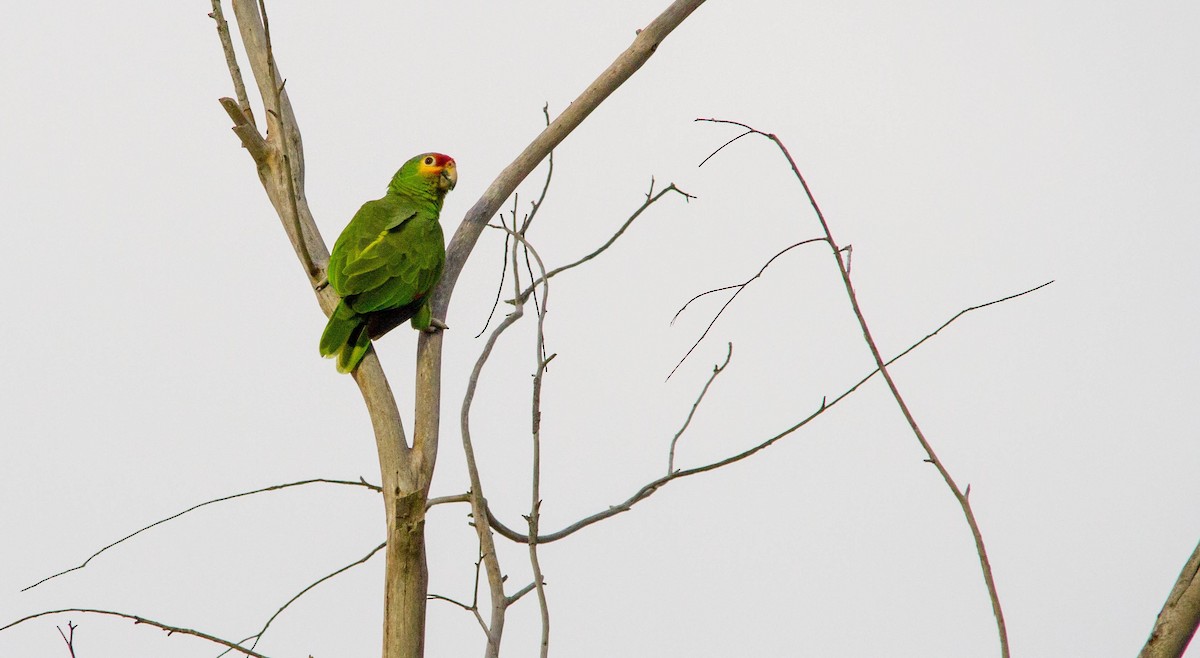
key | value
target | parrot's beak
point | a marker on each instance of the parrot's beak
(448, 178)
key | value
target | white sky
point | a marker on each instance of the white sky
(163, 342)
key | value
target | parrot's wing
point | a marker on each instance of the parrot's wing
(410, 261)
(364, 254)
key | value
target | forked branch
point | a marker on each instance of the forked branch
(843, 268)
(650, 488)
(149, 622)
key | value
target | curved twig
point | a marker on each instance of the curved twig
(647, 490)
(258, 636)
(359, 483)
(959, 495)
(717, 370)
(740, 287)
(143, 620)
(651, 198)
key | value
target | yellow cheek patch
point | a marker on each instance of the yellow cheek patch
(429, 171)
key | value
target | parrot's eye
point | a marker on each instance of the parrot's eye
(429, 161)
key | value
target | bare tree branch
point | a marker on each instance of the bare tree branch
(68, 637)
(649, 489)
(474, 607)
(537, 205)
(1180, 615)
(442, 500)
(717, 369)
(258, 636)
(143, 620)
(479, 507)
(740, 287)
(536, 433)
(962, 498)
(651, 198)
(235, 72)
(276, 487)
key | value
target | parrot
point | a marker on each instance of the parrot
(388, 259)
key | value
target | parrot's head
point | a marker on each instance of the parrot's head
(426, 175)
(438, 168)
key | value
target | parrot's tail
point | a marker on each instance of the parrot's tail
(345, 337)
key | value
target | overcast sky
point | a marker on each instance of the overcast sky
(162, 339)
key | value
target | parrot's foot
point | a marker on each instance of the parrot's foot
(435, 325)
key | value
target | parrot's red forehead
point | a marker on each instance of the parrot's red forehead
(441, 159)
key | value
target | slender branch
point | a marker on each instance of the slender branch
(143, 620)
(536, 205)
(447, 599)
(1180, 615)
(962, 498)
(536, 433)
(442, 500)
(651, 198)
(68, 637)
(474, 607)
(717, 370)
(235, 71)
(749, 131)
(740, 287)
(258, 636)
(359, 483)
(479, 506)
(649, 489)
(499, 288)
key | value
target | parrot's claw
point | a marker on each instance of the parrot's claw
(435, 325)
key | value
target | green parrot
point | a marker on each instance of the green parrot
(388, 259)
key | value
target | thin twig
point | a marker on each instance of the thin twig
(536, 432)
(749, 131)
(479, 508)
(499, 288)
(143, 620)
(740, 287)
(651, 198)
(516, 596)
(359, 483)
(536, 205)
(647, 490)
(68, 637)
(235, 71)
(717, 369)
(442, 500)
(474, 607)
(258, 636)
(963, 501)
